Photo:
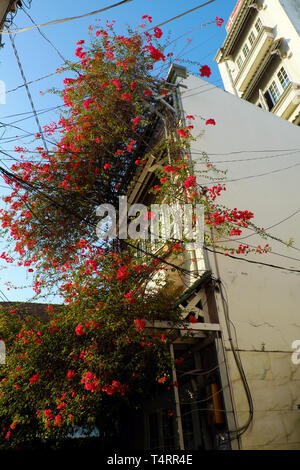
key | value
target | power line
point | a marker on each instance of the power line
(16, 31)
(44, 36)
(250, 151)
(259, 175)
(26, 86)
(181, 15)
(251, 261)
(248, 159)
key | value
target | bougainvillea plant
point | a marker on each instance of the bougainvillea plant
(93, 352)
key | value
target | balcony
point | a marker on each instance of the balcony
(238, 22)
(259, 50)
(289, 102)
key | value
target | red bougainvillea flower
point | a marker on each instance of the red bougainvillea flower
(106, 166)
(183, 133)
(144, 17)
(126, 96)
(190, 117)
(139, 324)
(48, 414)
(212, 122)
(147, 93)
(219, 21)
(57, 421)
(179, 361)
(34, 379)
(162, 380)
(80, 42)
(87, 103)
(129, 298)
(70, 374)
(235, 231)
(79, 330)
(193, 319)
(190, 181)
(169, 169)
(155, 53)
(158, 33)
(205, 71)
(91, 382)
(136, 120)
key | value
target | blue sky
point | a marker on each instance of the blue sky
(192, 40)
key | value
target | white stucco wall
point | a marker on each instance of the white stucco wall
(262, 155)
(292, 9)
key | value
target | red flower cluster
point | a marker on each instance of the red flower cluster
(139, 324)
(219, 21)
(211, 122)
(70, 374)
(115, 387)
(190, 182)
(158, 33)
(34, 379)
(155, 53)
(183, 133)
(91, 382)
(144, 17)
(129, 297)
(205, 71)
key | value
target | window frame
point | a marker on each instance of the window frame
(239, 61)
(247, 48)
(275, 95)
(258, 25)
(251, 37)
(285, 83)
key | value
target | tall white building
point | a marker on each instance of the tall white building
(259, 60)
(259, 307)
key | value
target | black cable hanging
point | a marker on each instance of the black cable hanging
(44, 36)
(27, 89)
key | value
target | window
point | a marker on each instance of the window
(258, 25)
(283, 78)
(274, 92)
(245, 50)
(251, 38)
(239, 62)
(272, 95)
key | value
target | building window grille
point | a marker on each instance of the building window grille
(258, 25)
(245, 50)
(251, 38)
(283, 78)
(239, 62)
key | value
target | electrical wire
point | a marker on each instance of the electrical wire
(16, 31)
(180, 16)
(44, 36)
(251, 261)
(242, 429)
(260, 174)
(26, 86)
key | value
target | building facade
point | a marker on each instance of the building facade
(7, 6)
(251, 309)
(259, 59)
